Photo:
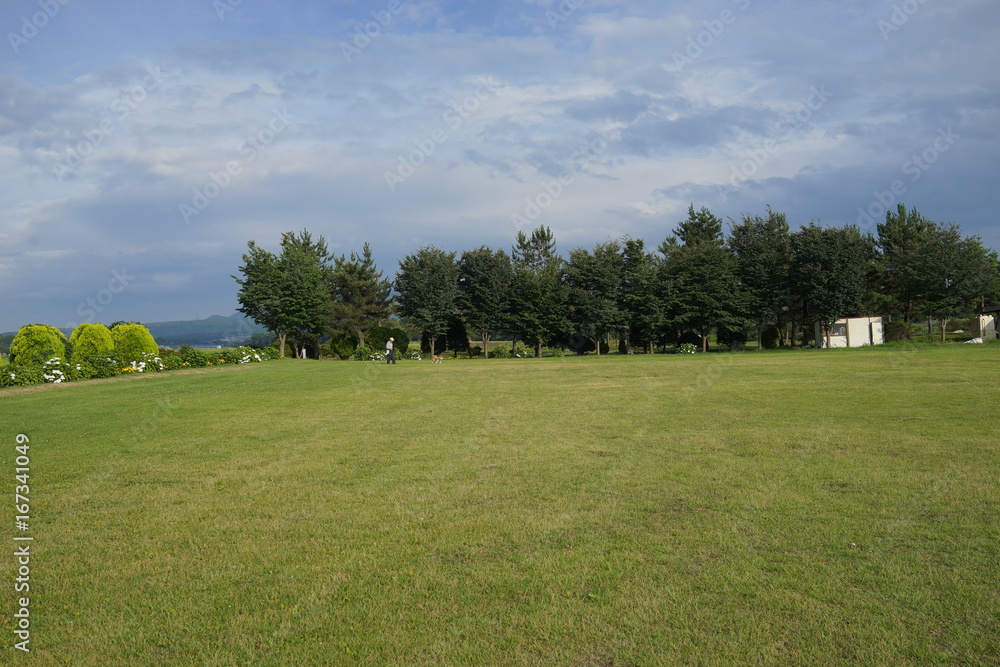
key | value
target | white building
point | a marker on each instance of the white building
(988, 325)
(852, 332)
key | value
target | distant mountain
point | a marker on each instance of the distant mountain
(214, 330)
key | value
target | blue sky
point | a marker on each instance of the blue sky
(143, 144)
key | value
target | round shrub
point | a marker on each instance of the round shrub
(343, 345)
(132, 340)
(376, 338)
(90, 340)
(770, 337)
(501, 352)
(35, 344)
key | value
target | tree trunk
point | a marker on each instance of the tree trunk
(826, 330)
(486, 345)
(597, 344)
(704, 340)
(930, 329)
(538, 349)
(281, 343)
(361, 337)
(432, 346)
(944, 328)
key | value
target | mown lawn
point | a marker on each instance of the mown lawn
(812, 507)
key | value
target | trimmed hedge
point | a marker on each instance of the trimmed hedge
(35, 344)
(132, 340)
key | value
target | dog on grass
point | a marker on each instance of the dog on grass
(435, 359)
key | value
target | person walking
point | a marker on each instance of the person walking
(390, 353)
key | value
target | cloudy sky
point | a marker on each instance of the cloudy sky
(143, 144)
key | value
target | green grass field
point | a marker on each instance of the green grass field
(811, 507)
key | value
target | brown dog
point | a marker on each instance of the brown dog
(435, 359)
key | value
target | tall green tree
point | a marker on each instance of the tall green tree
(829, 271)
(594, 279)
(699, 277)
(361, 297)
(538, 298)
(761, 248)
(638, 295)
(288, 293)
(900, 242)
(956, 274)
(427, 287)
(484, 286)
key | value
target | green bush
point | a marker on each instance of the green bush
(475, 351)
(101, 367)
(501, 352)
(343, 345)
(172, 362)
(192, 357)
(898, 330)
(16, 375)
(90, 340)
(56, 370)
(376, 338)
(35, 344)
(770, 337)
(556, 352)
(132, 340)
(365, 353)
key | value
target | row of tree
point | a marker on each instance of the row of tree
(697, 280)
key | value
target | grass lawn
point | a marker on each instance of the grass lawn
(809, 507)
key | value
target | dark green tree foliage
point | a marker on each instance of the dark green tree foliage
(594, 279)
(638, 296)
(829, 271)
(699, 277)
(90, 340)
(288, 294)
(957, 273)
(899, 276)
(484, 286)
(538, 297)
(427, 287)
(34, 344)
(761, 248)
(361, 297)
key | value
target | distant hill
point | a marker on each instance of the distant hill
(214, 330)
